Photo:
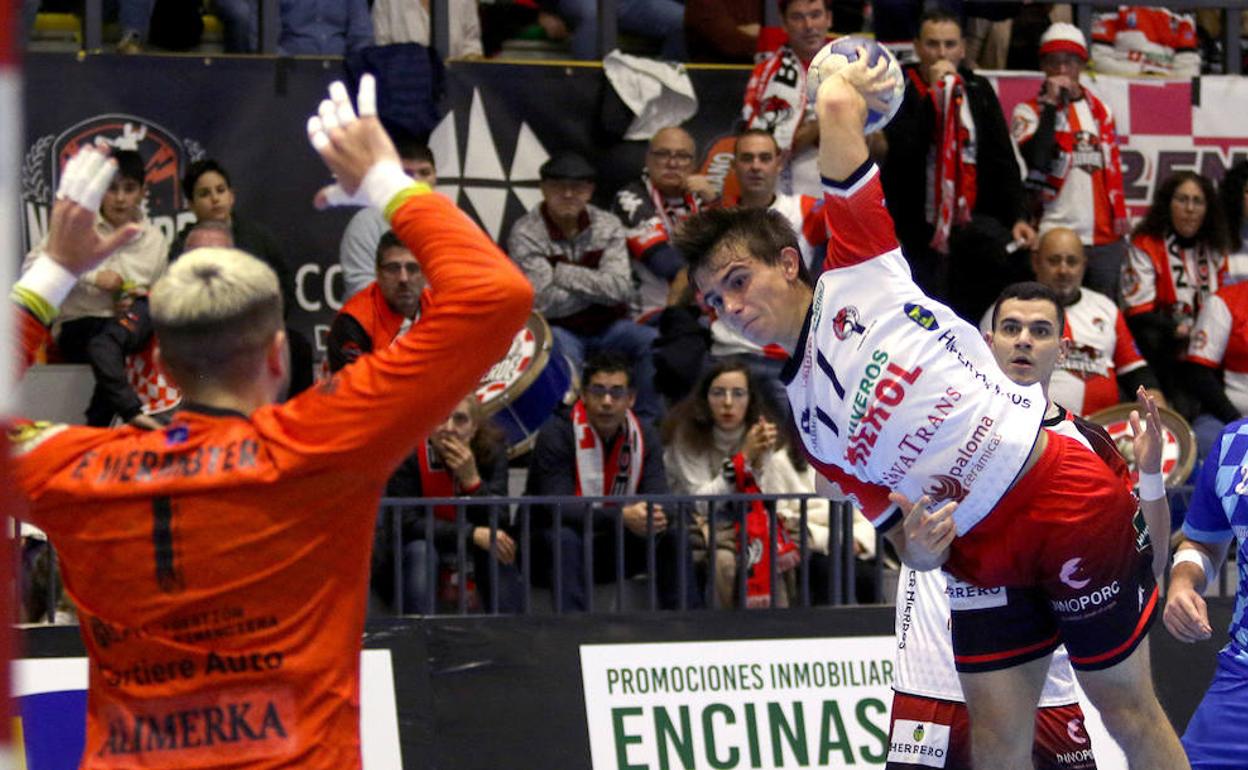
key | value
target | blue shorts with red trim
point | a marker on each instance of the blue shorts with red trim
(1068, 542)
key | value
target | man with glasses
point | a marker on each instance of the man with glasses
(384, 310)
(1068, 140)
(574, 255)
(601, 448)
(651, 207)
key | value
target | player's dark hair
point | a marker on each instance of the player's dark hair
(1029, 290)
(1212, 232)
(1231, 193)
(198, 169)
(755, 132)
(388, 241)
(607, 362)
(763, 233)
(939, 16)
(784, 6)
(411, 149)
(130, 165)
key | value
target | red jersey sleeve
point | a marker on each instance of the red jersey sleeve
(859, 225)
(871, 499)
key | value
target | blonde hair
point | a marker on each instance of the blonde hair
(214, 311)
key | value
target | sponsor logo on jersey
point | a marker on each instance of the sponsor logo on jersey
(990, 384)
(965, 596)
(1068, 573)
(1074, 730)
(846, 323)
(974, 454)
(889, 392)
(26, 436)
(912, 445)
(1200, 340)
(942, 488)
(921, 316)
(1141, 530)
(1096, 601)
(918, 743)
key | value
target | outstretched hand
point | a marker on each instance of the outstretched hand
(350, 145)
(1146, 441)
(73, 241)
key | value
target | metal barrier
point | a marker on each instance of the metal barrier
(555, 514)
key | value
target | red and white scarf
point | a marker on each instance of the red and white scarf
(436, 480)
(1110, 155)
(775, 98)
(758, 581)
(598, 473)
(955, 184)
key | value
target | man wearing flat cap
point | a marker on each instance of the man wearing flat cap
(574, 255)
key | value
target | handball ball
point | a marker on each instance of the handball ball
(843, 51)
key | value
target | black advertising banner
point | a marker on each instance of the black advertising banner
(500, 122)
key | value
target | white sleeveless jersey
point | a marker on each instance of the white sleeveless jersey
(890, 389)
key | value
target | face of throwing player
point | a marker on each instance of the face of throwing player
(765, 303)
(1026, 341)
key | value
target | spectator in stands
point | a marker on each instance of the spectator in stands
(407, 21)
(953, 225)
(1217, 363)
(1139, 40)
(776, 97)
(1099, 365)
(601, 448)
(102, 294)
(357, 253)
(1067, 138)
(659, 19)
(463, 457)
(324, 27)
(722, 30)
(575, 256)
(651, 207)
(1177, 261)
(987, 33)
(727, 437)
(131, 334)
(207, 187)
(1233, 197)
(386, 308)
(757, 163)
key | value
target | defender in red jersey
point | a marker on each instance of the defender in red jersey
(220, 565)
(897, 399)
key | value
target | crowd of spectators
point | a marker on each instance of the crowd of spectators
(1156, 303)
(1133, 40)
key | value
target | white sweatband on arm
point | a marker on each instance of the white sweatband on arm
(49, 279)
(1194, 556)
(1152, 487)
(383, 181)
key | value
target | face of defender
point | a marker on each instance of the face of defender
(1025, 340)
(754, 298)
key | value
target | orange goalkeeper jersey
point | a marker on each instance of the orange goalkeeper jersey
(220, 566)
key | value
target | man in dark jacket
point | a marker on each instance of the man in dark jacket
(970, 204)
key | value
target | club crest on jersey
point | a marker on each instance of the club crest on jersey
(921, 316)
(846, 323)
(919, 732)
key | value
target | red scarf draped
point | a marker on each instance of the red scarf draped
(955, 183)
(616, 473)
(758, 581)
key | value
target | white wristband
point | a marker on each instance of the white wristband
(1196, 557)
(1152, 487)
(383, 181)
(49, 279)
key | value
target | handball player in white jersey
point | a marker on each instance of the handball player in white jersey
(898, 400)
(1025, 332)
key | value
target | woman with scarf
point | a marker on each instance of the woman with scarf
(1176, 261)
(465, 456)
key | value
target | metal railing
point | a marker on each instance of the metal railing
(529, 518)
